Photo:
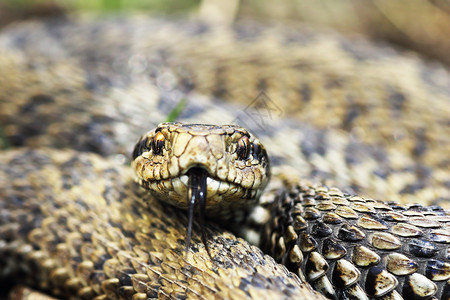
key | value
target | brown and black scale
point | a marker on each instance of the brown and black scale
(74, 225)
(347, 246)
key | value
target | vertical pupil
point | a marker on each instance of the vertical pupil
(158, 143)
(243, 149)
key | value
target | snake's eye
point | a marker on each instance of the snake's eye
(243, 148)
(158, 143)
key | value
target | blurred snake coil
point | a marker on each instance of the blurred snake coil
(355, 130)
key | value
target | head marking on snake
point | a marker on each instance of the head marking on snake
(217, 168)
(236, 163)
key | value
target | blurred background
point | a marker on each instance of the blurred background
(419, 25)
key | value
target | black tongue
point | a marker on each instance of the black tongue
(196, 195)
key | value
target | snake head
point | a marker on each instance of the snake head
(230, 160)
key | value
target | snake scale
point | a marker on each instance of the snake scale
(76, 94)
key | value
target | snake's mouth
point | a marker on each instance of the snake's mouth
(219, 194)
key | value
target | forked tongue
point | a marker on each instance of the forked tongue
(197, 196)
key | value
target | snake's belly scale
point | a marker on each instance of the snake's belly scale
(76, 225)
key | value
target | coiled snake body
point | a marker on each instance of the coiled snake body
(76, 225)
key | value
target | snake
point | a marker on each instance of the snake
(220, 169)
(346, 124)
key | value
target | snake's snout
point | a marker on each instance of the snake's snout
(203, 152)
